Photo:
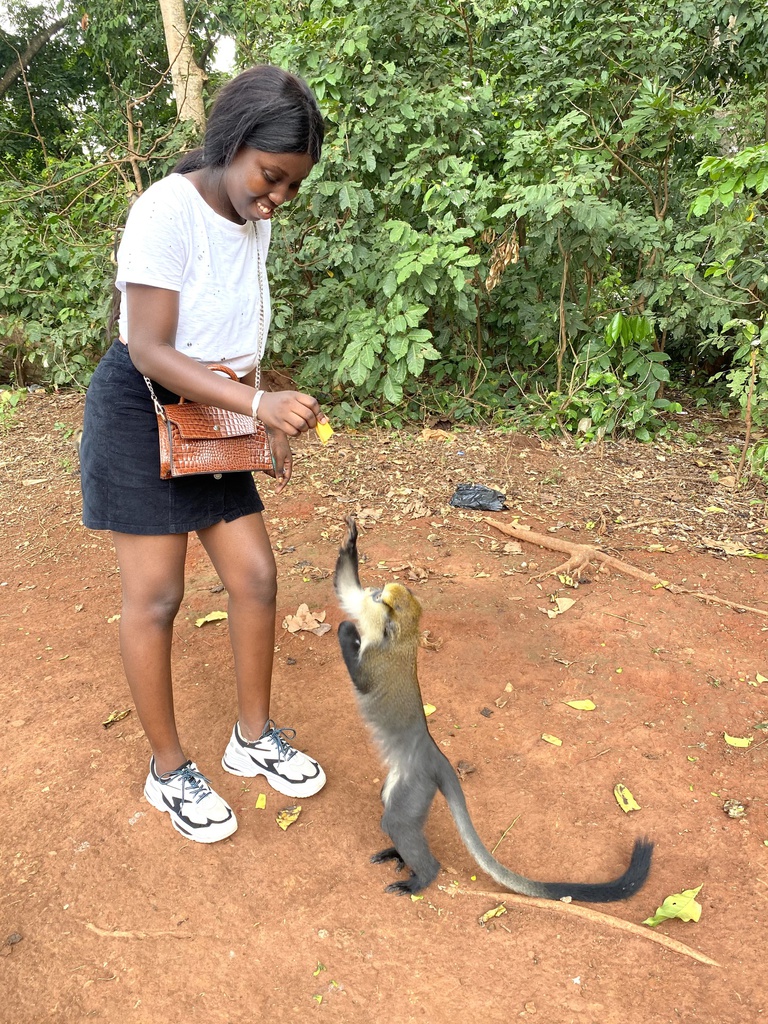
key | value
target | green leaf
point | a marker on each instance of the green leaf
(389, 284)
(613, 330)
(681, 905)
(419, 336)
(398, 345)
(702, 203)
(415, 362)
(393, 392)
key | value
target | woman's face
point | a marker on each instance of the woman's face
(256, 183)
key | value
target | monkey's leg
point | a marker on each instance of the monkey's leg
(390, 853)
(406, 807)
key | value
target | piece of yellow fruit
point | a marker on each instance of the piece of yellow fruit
(549, 738)
(324, 431)
(625, 799)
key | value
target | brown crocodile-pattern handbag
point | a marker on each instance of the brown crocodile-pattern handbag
(196, 438)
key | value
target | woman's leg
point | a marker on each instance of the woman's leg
(152, 576)
(152, 572)
(242, 556)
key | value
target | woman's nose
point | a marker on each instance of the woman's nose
(280, 194)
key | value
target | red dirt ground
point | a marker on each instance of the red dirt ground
(106, 913)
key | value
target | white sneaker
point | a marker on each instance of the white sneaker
(196, 810)
(286, 769)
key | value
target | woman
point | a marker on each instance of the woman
(194, 292)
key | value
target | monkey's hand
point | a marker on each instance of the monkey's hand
(350, 541)
(349, 642)
(346, 580)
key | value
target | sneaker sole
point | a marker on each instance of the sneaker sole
(196, 837)
(279, 785)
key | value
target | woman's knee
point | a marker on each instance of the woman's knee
(256, 583)
(156, 607)
(151, 576)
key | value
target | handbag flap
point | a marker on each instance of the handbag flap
(200, 422)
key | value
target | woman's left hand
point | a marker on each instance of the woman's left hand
(281, 453)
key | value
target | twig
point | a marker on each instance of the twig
(594, 916)
(563, 330)
(649, 522)
(711, 599)
(624, 618)
(580, 556)
(106, 934)
(592, 758)
(504, 835)
(748, 414)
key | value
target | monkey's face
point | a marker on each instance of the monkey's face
(401, 608)
(387, 614)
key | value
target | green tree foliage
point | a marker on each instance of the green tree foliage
(85, 125)
(732, 270)
(509, 220)
(503, 182)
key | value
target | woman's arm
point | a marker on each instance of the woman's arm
(153, 315)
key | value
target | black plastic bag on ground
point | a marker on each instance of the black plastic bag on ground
(478, 497)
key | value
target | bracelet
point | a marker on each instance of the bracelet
(255, 406)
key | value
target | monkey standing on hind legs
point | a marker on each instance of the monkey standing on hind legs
(379, 650)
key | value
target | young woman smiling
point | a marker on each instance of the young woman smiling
(193, 287)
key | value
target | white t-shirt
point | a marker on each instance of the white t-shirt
(173, 239)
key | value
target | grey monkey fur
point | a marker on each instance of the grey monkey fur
(379, 649)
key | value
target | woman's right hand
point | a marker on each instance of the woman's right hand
(290, 411)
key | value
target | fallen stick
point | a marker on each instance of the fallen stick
(106, 934)
(580, 556)
(594, 916)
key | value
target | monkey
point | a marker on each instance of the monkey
(379, 650)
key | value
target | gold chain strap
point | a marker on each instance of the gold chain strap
(261, 339)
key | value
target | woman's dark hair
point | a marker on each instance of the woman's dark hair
(263, 108)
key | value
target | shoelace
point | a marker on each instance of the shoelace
(192, 778)
(281, 736)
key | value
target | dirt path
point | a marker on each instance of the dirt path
(122, 920)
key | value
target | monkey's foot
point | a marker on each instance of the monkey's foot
(406, 888)
(389, 854)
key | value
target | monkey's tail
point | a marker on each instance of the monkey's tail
(606, 892)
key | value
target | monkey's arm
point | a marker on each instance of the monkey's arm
(346, 575)
(349, 642)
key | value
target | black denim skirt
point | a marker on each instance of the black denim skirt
(120, 463)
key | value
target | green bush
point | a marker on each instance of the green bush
(531, 214)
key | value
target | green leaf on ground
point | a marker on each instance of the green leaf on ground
(682, 905)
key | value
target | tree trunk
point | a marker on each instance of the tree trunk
(34, 46)
(187, 77)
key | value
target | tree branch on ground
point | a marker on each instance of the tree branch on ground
(593, 916)
(582, 555)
